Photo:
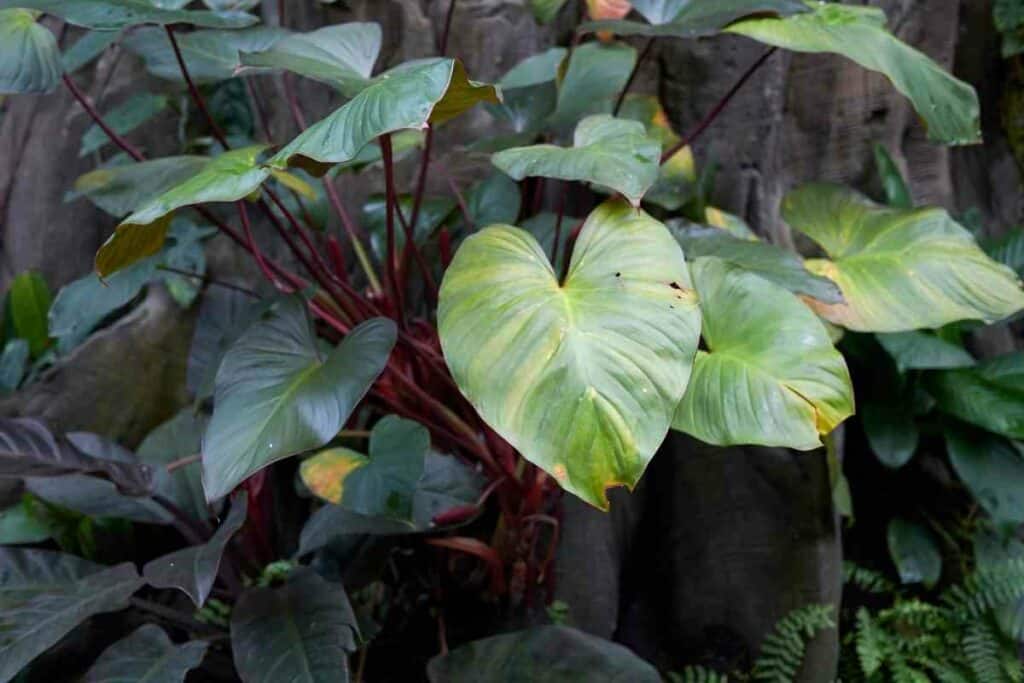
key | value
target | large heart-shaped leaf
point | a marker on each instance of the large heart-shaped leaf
(29, 56)
(582, 377)
(123, 119)
(232, 176)
(277, 396)
(121, 189)
(111, 15)
(607, 151)
(993, 471)
(210, 56)
(194, 569)
(543, 654)
(990, 395)
(948, 106)
(773, 263)
(224, 315)
(147, 654)
(898, 269)
(44, 595)
(301, 632)
(413, 95)
(770, 375)
(380, 485)
(594, 77)
(341, 56)
(692, 18)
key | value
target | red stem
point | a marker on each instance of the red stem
(632, 76)
(477, 548)
(443, 47)
(196, 97)
(95, 116)
(391, 256)
(243, 214)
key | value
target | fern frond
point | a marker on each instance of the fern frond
(782, 651)
(697, 674)
(867, 580)
(869, 643)
(987, 589)
(904, 673)
(982, 651)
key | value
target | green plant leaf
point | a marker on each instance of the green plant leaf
(121, 189)
(686, 19)
(992, 469)
(898, 269)
(224, 315)
(148, 655)
(179, 437)
(1009, 250)
(413, 95)
(445, 484)
(529, 92)
(230, 177)
(542, 654)
(890, 428)
(112, 15)
(123, 119)
(773, 263)
(381, 485)
(28, 302)
(276, 396)
(341, 56)
(770, 375)
(545, 11)
(87, 48)
(210, 56)
(194, 569)
(545, 227)
(29, 56)
(607, 151)
(301, 632)
(897, 194)
(948, 106)
(44, 595)
(13, 362)
(990, 395)
(594, 77)
(19, 525)
(495, 199)
(915, 552)
(920, 350)
(433, 212)
(583, 377)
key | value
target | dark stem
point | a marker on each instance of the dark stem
(558, 224)
(703, 124)
(183, 462)
(194, 91)
(632, 75)
(95, 116)
(243, 214)
(206, 279)
(443, 48)
(194, 532)
(391, 256)
(254, 103)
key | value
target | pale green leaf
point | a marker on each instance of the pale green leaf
(147, 655)
(29, 56)
(610, 152)
(581, 377)
(898, 269)
(122, 188)
(770, 375)
(275, 395)
(111, 15)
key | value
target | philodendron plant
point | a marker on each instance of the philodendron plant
(444, 366)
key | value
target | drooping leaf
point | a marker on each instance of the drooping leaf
(121, 189)
(914, 551)
(232, 176)
(224, 315)
(112, 15)
(773, 263)
(890, 428)
(897, 194)
(341, 56)
(19, 525)
(148, 655)
(992, 469)
(413, 95)
(948, 106)
(920, 350)
(898, 269)
(770, 375)
(301, 632)
(28, 302)
(990, 395)
(583, 377)
(45, 594)
(13, 361)
(381, 485)
(542, 654)
(179, 437)
(210, 56)
(29, 56)
(686, 19)
(677, 176)
(123, 119)
(87, 48)
(607, 151)
(276, 396)
(445, 484)
(529, 92)
(194, 569)
(594, 77)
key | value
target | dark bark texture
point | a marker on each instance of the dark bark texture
(716, 544)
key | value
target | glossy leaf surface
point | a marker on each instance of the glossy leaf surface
(210, 55)
(990, 395)
(111, 15)
(692, 19)
(29, 56)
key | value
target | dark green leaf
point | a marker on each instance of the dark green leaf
(87, 48)
(28, 302)
(543, 654)
(545, 226)
(179, 437)
(276, 396)
(301, 632)
(529, 93)
(210, 56)
(19, 525)
(891, 430)
(433, 212)
(121, 189)
(29, 56)
(123, 120)
(493, 200)
(990, 395)
(1009, 250)
(992, 469)
(685, 19)
(545, 10)
(194, 569)
(920, 350)
(224, 315)
(593, 79)
(915, 551)
(12, 364)
(111, 15)
(897, 194)
(146, 656)
(44, 595)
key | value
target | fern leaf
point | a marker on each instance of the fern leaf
(982, 651)
(987, 589)
(867, 580)
(697, 674)
(869, 643)
(782, 651)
